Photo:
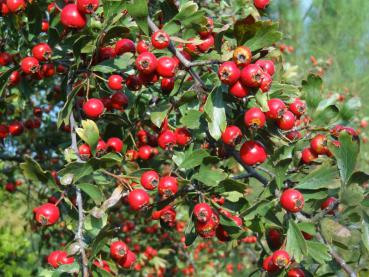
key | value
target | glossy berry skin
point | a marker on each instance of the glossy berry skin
(208, 228)
(183, 136)
(274, 238)
(128, 261)
(266, 82)
(238, 90)
(146, 63)
(16, 128)
(102, 265)
(71, 17)
(261, 4)
(101, 147)
(252, 153)
(133, 83)
(142, 46)
(145, 152)
(251, 76)
(4, 131)
(167, 85)
(167, 67)
(167, 139)
(205, 32)
(267, 66)
(58, 257)
(298, 107)
(124, 45)
(254, 118)
(202, 212)
(281, 258)
(84, 151)
(87, 6)
(93, 108)
(5, 59)
(42, 52)
(327, 203)
(118, 250)
(115, 82)
(268, 264)
(207, 44)
(16, 5)
(46, 214)
(160, 39)
(292, 200)
(287, 121)
(30, 65)
(319, 144)
(231, 135)
(119, 100)
(229, 73)
(168, 186)
(106, 53)
(276, 108)
(295, 272)
(137, 199)
(48, 70)
(294, 135)
(115, 144)
(242, 56)
(150, 180)
(308, 156)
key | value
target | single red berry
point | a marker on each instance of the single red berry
(48, 70)
(16, 5)
(115, 144)
(287, 121)
(15, 128)
(168, 186)
(292, 200)
(294, 135)
(160, 39)
(267, 66)
(202, 212)
(44, 26)
(232, 135)
(295, 272)
(72, 18)
(229, 73)
(251, 76)
(166, 67)
(150, 179)
(137, 199)
(327, 203)
(167, 85)
(118, 250)
(266, 82)
(132, 155)
(190, 47)
(261, 4)
(87, 6)
(148, 79)
(254, 118)
(119, 101)
(252, 152)
(106, 53)
(133, 82)
(183, 136)
(93, 108)
(142, 46)
(46, 214)
(207, 43)
(84, 151)
(167, 139)
(42, 52)
(274, 238)
(4, 131)
(146, 63)
(53, 258)
(319, 144)
(4, 9)
(145, 152)
(102, 264)
(207, 229)
(101, 147)
(128, 261)
(308, 156)
(30, 65)
(281, 258)
(298, 107)
(115, 82)
(124, 45)
(208, 29)
(14, 78)
(10, 187)
(276, 108)
(242, 56)
(5, 58)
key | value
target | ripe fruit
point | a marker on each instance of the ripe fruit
(294, 135)
(103, 265)
(72, 18)
(167, 85)
(145, 152)
(10, 187)
(119, 100)
(183, 136)
(266, 82)
(146, 63)
(106, 53)
(46, 214)
(168, 186)
(274, 238)
(128, 261)
(229, 73)
(204, 32)
(191, 48)
(142, 46)
(115, 144)
(4, 131)
(207, 43)
(208, 228)
(167, 139)
(202, 212)
(267, 66)
(160, 39)
(251, 75)
(14, 78)
(137, 199)
(123, 46)
(292, 200)
(101, 147)
(166, 67)
(298, 107)
(133, 83)
(276, 108)
(281, 258)
(42, 52)
(16, 128)
(308, 156)
(252, 152)
(87, 6)
(150, 179)
(295, 272)
(287, 121)
(16, 5)
(261, 4)
(84, 151)
(58, 257)
(5, 59)
(319, 144)
(118, 250)
(268, 264)
(231, 135)
(30, 65)
(93, 108)
(238, 90)
(48, 70)
(254, 118)
(327, 203)
(115, 82)
(242, 56)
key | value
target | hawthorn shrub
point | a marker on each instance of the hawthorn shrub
(165, 138)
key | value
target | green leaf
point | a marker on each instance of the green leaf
(188, 14)
(281, 171)
(322, 177)
(326, 116)
(365, 231)
(209, 176)
(215, 113)
(4, 78)
(230, 185)
(93, 192)
(190, 233)
(311, 89)
(351, 195)
(318, 251)
(139, 11)
(191, 119)
(89, 133)
(158, 115)
(260, 208)
(296, 244)
(359, 177)
(350, 107)
(113, 65)
(101, 239)
(194, 159)
(262, 100)
(33, 171)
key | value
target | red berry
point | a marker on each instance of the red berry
(101, 147)
(48, 70)
(292, 200)
(133, 82)
(231, 135)
(46, 214)
(287, 121)
(30, 65)
(118, 250)
(319, 144)
(106, 53)
(295, 272)
(87, 6)
(207, 43)
(16, 5)
(148, 79)
(268, 264)
(266, 82)
(167, 186)
(252, 152)
(150, 179)
(132, 155)
(261, 4)
(281, 258)
(119, 100)
(84, 151)
(145, 152)
(115, 144)
(72, 18)
(53, 258)
(191, 48)
(254, 118)
(202, 212)
(42, 52)
(102, 264)
(93, 108)
(4, 131)
(242, 56)
(115, 82)
(207, 229)
(229, 73)
(124, 45)
(167, 85)
(183, 136)
(137, 199)
(142, 46)
(308, 156)
(167, 139)
(14, 78)
(276, 108)
(160, 39)
(238, 90)
(267, 66)
(5, 58)
(166, 67)
(274, 238)
(146, 63)
(251, 76)
(294, 135)
(204, 32)
(128, 261)
(16, 128)
(4, 9)
(10, 187)
(298, 107)
(327, 203)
